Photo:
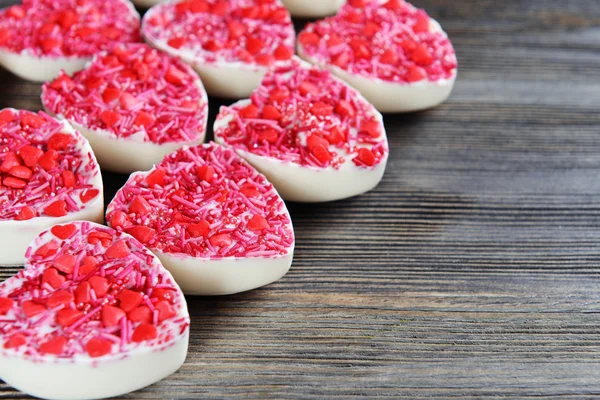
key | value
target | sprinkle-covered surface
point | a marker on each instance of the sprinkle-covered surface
(67, 28)
(206, 202)
(44, 168)
(89, 291)
(257, 32)
(390, 40)
(133, 92)
(301, 114)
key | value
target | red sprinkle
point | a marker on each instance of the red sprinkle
(144, 332)
(63, 231)
(97, 347)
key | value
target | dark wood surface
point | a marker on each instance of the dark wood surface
(472, 270)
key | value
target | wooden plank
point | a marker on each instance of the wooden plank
(472, 270)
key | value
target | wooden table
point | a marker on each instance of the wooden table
(472, 270)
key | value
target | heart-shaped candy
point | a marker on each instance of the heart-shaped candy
(393, 53)
(216, 223)
(48, 175)
(230, 44)
(39, 38)
(312, 9)
(93, 314)
(314, 137)
(134, 104)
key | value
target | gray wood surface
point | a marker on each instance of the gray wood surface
(471, 271)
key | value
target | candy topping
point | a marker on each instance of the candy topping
(303, 115)
(225, 209)
(133, 92)
(67, 27)
(394, 42)
(250, 31)
(43, 170)
(53, 308)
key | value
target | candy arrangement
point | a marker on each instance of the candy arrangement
(96, 304)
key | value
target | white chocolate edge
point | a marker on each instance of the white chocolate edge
(83, 377)
(93, 378)
(312, 8)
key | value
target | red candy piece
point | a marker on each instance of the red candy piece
(63, 231)
(5, 305)
(52, 278)
(54, 346)
(88, 195)
(31, 309)
(65, 263)
(100, 285)
(128, 299)
(144, 332)
(111, 316)
(67, 317)
(97, 347)
(141, 314)
(15, 341)
(142, 233)
(165, 310)
(59, 298)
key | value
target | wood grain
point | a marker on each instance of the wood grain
(471, 271)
